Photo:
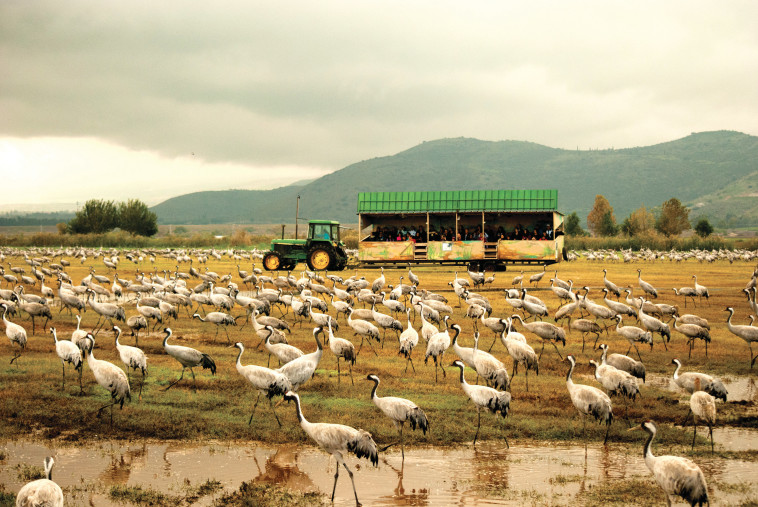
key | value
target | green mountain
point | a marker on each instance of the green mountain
(714, 172)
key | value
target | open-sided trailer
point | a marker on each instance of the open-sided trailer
(485, 229)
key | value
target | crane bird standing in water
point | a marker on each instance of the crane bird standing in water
(589, 400)
(133, 358)
(399, 410)
(675, 475)
(497, 402)
(703, 407)
(337, 440)
(264, 380)
(42, 491)
(188, 358)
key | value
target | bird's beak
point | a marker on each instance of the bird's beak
(636, 428)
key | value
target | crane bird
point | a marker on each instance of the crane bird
(545, 330)
(135, 323)
(616, 382)
(68, 352)
(693, 332)
(437, 346)
(188, 358)
(612, 287)
(589, 400)
(108, 311)
(586, 327)
(645, 286)
(518, 279)
(264, 380)
(284, 352)
(366, 330)
(36, 310)
(378, 284)
(301, 370)
(491, 369)
(634, 335)
(747, 333)
(496, 325)
(399, 410)
(535, 279)
(338, 440)
(700, 290)
(133, 358)
(622, 362)
(702, 407)
(342, 349)
(110, 377)
(520, 351)
(408, 341)
(385, 322)
(675, 475)
(686, 292)
(219, 319)
(15, 333)
(497, 402)
(710, 385)
(654, 325)
(42, 491)
(412, 277)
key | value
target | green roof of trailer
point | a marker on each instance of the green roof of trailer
(457, 200)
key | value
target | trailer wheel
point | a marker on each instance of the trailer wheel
(320, 258)
(565, 254)
(272, 261)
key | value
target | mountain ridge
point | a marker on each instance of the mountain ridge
(705, 169)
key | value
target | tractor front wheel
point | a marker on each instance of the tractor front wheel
(272, 261)
(320, 258)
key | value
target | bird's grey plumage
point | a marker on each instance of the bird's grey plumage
(747, 333)
(42, 492)
(15, 333)
(589, 400)
(400, 410)
(709, 384)
(187, 357)
(68, 352)
(301, 369)
(111, 378)
(264, 380)
(623, 362)
(675, 475)
(338, 440)
(497, 402)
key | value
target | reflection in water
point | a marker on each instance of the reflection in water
(486, 475)
(281, 468)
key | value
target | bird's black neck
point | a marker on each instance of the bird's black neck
(376, 386)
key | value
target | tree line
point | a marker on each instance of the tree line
(99, 216)
(670, 220)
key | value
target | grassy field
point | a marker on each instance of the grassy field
(34, 405)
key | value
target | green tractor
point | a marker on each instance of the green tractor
(321, 250)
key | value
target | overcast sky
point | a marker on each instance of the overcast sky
(149, 100)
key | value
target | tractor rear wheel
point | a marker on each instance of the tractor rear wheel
(320, 258)
(272, 261)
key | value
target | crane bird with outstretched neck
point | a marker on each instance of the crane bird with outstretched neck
(497, 402)
(111, 378)
(338, 440)
(437, 346)
(645, 286)
(747, 333)
(342, 349)
(264, 380)
(42, 492)
(15, 333)
(622, 362)
(301, 369)
(133, 358)
(589, 400)
(400, 411)
(612, 287)
(710, 385)
(219, 319)
(408, 341)
(68, 352)
(521, 352)
(188, 358)
(545, 330)
(634, 335)
(675, 475)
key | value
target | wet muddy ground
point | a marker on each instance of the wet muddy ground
(490, 474)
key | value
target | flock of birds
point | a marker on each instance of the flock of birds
(308, 298)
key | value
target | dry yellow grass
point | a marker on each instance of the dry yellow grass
(31, 396)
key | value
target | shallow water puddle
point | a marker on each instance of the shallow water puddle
(488, 475)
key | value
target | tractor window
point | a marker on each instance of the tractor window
(335, 233)
(321, 231)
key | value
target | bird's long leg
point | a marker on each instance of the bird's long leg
(526, 374)
(506, 439)
(368, 340)
(543, 349)
(706, 348)
(753, 358)
(81, 374)
(194, 381)
(63, 386)
(350, 473)
(350, 367)
(710, 432)
(172, 384)
(255, 405)
(607, 430)
(142, 383)
(435, 370)
(338, 370)
(16, 356)
(478, 423)
(638, 352)
(271, 404)
(694, 431)
(583, 335)
(594, 347)
(402, 443)
(684, 423)
(556, 349)
(493, 343)
(336, 476)
(664, 343)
